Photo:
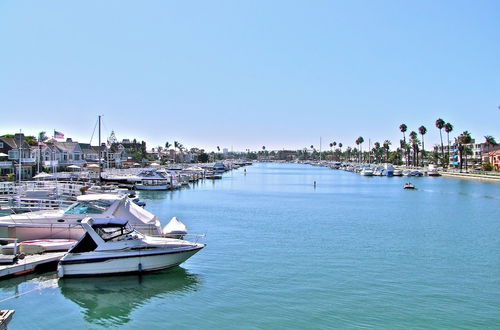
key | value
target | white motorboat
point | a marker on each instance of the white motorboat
(432, 170)
(152, 179)
(389, 169)
(219, 168)
(397, 173)
(111, 246)
(65, 223)
(366, 171)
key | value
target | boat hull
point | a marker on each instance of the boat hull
(123, 262)
(158, 187)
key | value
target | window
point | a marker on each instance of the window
(1, 144)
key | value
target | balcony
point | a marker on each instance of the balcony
(71, 162)
(50, 163)
(6, 164)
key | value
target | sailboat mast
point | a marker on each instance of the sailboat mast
(20, 151)
(99, 148)
(320, 148)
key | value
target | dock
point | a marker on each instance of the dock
(31, 263)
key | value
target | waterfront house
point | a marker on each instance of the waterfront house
(19, 156)
(493, 157)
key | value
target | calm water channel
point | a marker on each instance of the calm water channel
(356, 252)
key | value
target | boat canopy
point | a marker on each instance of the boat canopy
(109, 222)
(95, 197)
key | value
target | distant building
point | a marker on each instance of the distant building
(19, 156)
(493, 157)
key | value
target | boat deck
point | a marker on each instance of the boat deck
(31, 263)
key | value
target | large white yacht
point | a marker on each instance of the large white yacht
(111, 246)
(65, 223)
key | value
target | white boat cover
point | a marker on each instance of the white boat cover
(175, 227)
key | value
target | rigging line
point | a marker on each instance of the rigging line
(19, 294)
(106, 130)
(93, 131)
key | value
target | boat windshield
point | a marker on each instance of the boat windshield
(118, 233)
(87, 207)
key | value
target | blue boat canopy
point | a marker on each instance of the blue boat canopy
(109, 222)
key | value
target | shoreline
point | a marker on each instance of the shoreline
(471, 176)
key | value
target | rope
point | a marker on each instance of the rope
(93, 131)
(19, 294)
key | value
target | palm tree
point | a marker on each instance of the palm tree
(340, 147)
(490, 141)
(331, 148)
(359, 142)
(386, 145)
(403, 129)
(406, 150)
(376, 151)
(176, 146)
(414, 143)
(440, 124)
(463, 140)
(448, 128)
(422, 130)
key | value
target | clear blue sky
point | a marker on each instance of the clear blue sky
(250, 73)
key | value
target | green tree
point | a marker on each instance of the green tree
(440, 124)
(414, 144)
(463, 140)
(403, 129)
(448, 128)
(422, 130)
(386, 145)
(490, 141)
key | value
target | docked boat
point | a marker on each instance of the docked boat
(152, 179)
(111, 246)
(389, 169)
(65, 223)
(433, 171)
(38, 246)
(219, 168)
(366, 171)
(397, 172)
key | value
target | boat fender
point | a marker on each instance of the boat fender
(139, 267)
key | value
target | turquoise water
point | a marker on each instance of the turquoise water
(354, 252)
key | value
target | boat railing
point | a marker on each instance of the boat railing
(12, 240)
(31, 205)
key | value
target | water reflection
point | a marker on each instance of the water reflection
(109, 301)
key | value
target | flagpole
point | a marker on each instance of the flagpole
(99, 148)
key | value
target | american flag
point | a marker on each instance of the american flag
(58, 135)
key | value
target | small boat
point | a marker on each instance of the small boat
(409, 185)
(112, 246)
